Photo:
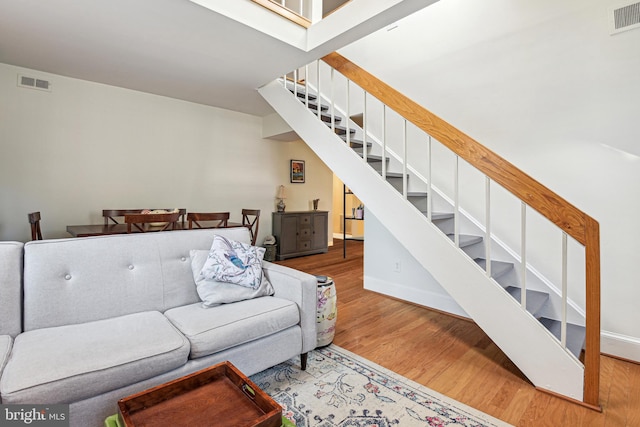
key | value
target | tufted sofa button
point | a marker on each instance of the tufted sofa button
(183, 259)
(130, 267)
(67, 277)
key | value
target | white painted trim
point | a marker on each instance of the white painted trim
(620, 345)
(424, 298)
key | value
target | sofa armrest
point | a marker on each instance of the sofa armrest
(301, 288)
(11, 267)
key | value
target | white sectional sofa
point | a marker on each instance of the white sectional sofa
(88, 321)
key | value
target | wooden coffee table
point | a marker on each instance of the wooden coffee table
(219, 395)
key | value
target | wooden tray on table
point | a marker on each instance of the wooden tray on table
(219, 395)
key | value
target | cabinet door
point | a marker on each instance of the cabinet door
(319, 239)
(289, 235)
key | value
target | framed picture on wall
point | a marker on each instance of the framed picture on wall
(297, 171)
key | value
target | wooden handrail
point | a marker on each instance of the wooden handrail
(570, 219)
(284, 12)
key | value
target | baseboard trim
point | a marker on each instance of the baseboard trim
(436, 301)
(620, 346)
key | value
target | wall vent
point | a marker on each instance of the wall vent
(625, 17)
(34, 83)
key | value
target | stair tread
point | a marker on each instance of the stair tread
(327, 118)
(498, 268)
(466, 239)
(435, 216)
(395, 174)
(355, 143)
(417, 194)
(373, 157)
(340, 128)
(575, 334)
(313, 105)
(301, 94)
(535, 299)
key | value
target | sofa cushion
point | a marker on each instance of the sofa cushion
(70, 363)
(214, 329)
(213, 292)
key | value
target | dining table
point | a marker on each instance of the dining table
(108, 229)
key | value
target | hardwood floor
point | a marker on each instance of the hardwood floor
(454, 357)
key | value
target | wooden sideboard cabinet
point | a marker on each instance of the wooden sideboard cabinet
(300, 233)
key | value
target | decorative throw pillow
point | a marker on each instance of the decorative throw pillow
(213, 291)
(234, 262)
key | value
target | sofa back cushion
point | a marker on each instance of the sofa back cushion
(10, 288)
(71, 281)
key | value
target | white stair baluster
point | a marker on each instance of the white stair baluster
(306, 85)
(348, 113)
(333, 103)
(364, 129)
(563, 330)
(295, 83)
(405, 190)
(523, 250)
(319, 98)
(456, 211)
(487, 243)
(429, 184)
(384, 141)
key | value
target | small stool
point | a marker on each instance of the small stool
(327, 311)
(270, 252)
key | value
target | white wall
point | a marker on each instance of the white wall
(391, 270)
(544, 85)
(84, 147)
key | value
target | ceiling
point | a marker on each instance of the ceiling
(174, 48)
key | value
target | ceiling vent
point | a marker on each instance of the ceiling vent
(624, 18)
(34, 83)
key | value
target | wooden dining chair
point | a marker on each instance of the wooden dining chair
(151, 222)
(251, 220)
(34, 220)
(220, 219)
(111, 215)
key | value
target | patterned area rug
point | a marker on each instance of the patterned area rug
(341, 389)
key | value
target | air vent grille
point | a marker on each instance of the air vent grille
(33, 83)
(624, 18)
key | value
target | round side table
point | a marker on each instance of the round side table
(327, 311)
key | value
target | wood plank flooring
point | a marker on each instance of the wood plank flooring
(454, 357)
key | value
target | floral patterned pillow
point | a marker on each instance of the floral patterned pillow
(213, 293)
(234, 262)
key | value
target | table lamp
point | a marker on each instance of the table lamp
(281, 196)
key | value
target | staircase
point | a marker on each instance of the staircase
(536, 301)
(546, 348)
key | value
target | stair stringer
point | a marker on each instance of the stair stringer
(518, 334)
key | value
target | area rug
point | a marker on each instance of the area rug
(341, 389)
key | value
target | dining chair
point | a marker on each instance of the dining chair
(34, 220)
(251, 220)
(151, 222)
(220, 218)
(110, 215)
